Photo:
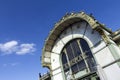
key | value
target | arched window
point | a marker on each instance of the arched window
(77, 57)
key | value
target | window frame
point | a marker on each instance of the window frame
(80, 56)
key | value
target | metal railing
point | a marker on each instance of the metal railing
(45, 76)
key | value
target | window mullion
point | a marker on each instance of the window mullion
(74, 57)
(67, 57)
(83, 55)
(68, 63)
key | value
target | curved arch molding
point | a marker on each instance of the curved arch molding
(61, 25)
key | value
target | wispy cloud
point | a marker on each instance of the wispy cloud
(14, 47)
(4, 65)
(14, 64)
(25, 48)
(10, 64)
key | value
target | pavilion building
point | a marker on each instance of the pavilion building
(81, 48)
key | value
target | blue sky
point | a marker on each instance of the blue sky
(25, 24)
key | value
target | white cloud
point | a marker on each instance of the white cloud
(26, 48)
(8, 47)
(13, 47)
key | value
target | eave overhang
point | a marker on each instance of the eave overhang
(116, 36)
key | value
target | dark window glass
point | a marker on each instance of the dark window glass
(76, 48)
(84, 45)
(89, 54)
(81, 65)
(69, 52)
(74, 69)
(91, 64)
(64, 59)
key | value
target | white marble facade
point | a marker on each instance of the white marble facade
(105, 55)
